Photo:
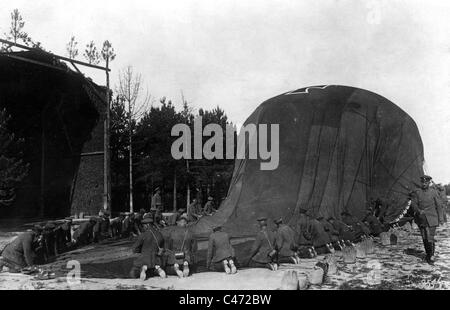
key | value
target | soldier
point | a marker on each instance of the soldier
(22, 251)
(320, 238)
(264, 252)
(49, 241)
(181, 247)
(84, 235)
(444, 201)
(221, 255)
(373, 223)
(115, 225)
(63, 235)
(303, 231)
(156, 200)
(194, 211)
(150, 247)
(287, 248)
(128, 226)
(425, 203)
(346, 232)
(209, 208)
(359, 228)
(333, 234)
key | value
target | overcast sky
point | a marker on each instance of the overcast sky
(238, 53)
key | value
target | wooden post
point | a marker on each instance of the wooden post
(130, 133)
(188, 186)
(106, 165)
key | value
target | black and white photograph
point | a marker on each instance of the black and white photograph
(224, 145)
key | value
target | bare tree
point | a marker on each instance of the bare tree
(71, 47)
(137, 100)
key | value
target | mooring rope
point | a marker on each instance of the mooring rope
(398, 218)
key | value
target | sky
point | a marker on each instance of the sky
(238, 53)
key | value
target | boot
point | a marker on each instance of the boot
(185, 269)
(232, 266)
(178, 271)
(143, 275)
(161, 273)
(428, 253)
(432, 248)
(225, 266)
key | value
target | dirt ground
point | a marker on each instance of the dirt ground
(106, 266)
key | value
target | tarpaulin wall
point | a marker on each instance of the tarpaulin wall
(339, 147)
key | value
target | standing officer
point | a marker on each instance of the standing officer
(264, 251)
(287, 249)
(425, 203)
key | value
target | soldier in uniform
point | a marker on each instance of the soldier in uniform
(22, 251)
(359, 228)
(221, 255)
(156, 200)
(346, 232)
(194, 211)
(49, 241)
(304, 230)
(333, 234)
(85, 233)
(150, 247)
(180, 249)
(425, 204)
(373, 223)
(444, 201)
(264, 253)
(209, 208)
(115, 226)
(287, 248)
(320, 238)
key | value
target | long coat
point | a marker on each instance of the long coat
(333, 233)
(285, 240)
(346, 232)
(21, 251)
(219, 247)
(84, 233)
(148, 245)
(264, 244)
(180, 239)
(426, 205)
(303, 229)
(319, 236)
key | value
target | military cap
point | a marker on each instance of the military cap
(37, 228)
(50, 225)
(147, 220)
(278, 221)
(217, 227)
(425, 178)
(184, 217)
